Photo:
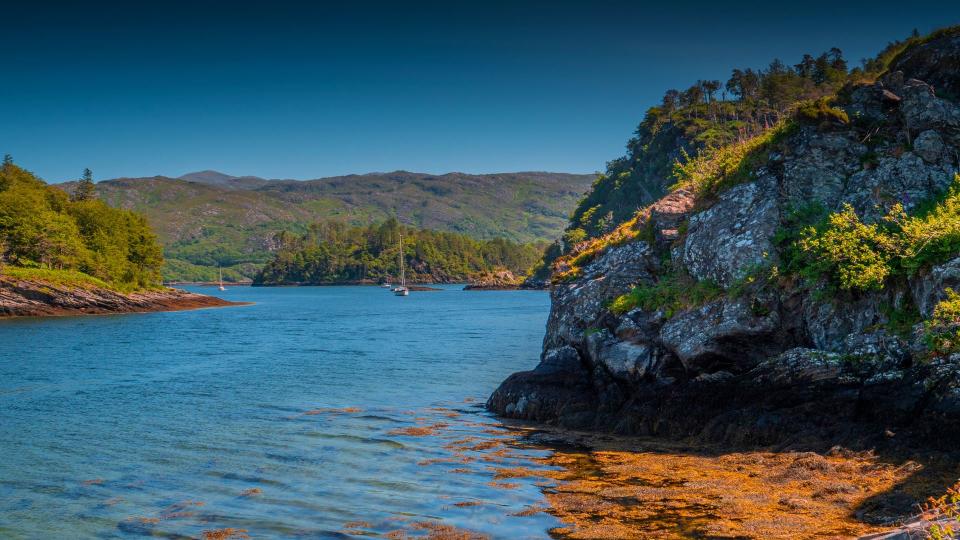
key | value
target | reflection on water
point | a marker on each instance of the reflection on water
(315, 413)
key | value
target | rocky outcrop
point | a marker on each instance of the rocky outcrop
(768, 364)
(496, 280)
(734, 234)
(21, 298)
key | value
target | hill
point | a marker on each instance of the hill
(206, 218)
(331, 252)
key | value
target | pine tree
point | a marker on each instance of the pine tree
(85, 188)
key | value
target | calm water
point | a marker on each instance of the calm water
(290, 418)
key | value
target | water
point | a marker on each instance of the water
(290, 418)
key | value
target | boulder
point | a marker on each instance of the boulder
(579, 305)
(818, 166)
(923, 110)
(929, 146)
(726, 240)
(908, 179)
(728, 334)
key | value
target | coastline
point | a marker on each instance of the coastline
(23, 298)
(603, 485)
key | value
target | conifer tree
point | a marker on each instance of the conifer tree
(85, 188)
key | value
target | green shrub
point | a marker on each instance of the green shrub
(933, 235)
(674, 292)
(821, 112)
(942, 330)
(714, 170)
(853, 254)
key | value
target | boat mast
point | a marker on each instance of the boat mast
(403, 281)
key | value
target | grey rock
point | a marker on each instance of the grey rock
(828, 323)
(798, 366)
(726, 240)
(579, 305)
(908, 180)
(928, 288)
(818, 168)
(923, 110)
(929, 146)
(725, 334)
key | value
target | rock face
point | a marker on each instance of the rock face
(19, 298)
(769, 365)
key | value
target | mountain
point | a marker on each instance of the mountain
(207, 217)
(792, 285)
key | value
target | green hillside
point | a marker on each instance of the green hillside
(331, 252)
(207, 218)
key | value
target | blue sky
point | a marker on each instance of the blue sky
(304, 90)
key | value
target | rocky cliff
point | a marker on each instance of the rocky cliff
(782, 361)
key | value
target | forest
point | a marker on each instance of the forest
(46, 232)
(334, 252)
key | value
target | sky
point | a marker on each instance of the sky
(312, 89)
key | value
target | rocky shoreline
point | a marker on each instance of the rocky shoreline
(773, 363)
(22, 298)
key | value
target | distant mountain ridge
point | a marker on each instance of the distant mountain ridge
(208, 217)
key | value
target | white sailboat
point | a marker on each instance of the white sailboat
(221, 287)
(402, 290)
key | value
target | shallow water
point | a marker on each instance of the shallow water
(318, 412)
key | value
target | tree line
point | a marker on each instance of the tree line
(710, 114)
(44, 227)
(333, 252)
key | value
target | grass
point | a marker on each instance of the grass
(821, 112)
(715, 170)
(570, 266)
(69, 278)
(66, 278)
(673, 293)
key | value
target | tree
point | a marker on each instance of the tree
(85, 187)
(710, 89)
(7, 161)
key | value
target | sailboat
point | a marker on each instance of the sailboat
(221, 287)
(402, 290)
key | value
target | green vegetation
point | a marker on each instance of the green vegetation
(821, 112)
(69, 278)
(942, 330)
(672, 293)
(858, 256)
(852, 254)
(206, 220)
(333, 252)
(698, 122)
(80, 240)
(716, 170)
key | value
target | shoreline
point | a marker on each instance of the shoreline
(617, 486)
(29, 299)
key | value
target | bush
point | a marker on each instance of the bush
(932, 236)
(853, 254)
(673, 293)
(821, 112)
(942, 330)
(714, 170)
